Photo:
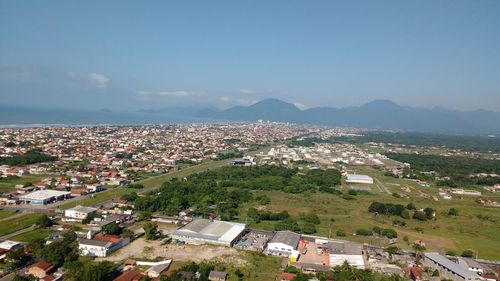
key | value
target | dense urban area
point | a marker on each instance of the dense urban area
(247, 201)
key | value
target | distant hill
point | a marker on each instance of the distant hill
(378, 114)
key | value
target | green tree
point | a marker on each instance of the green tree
(405, 214)
(435, 273)
(452, 212)
(467, 254)
(44, 221)
(340, 233)
(419, 215)
(308, 228)
(311, 218)
(17, 257)
(112, 229)
(151, 230)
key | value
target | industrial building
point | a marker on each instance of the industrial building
(42, 197)
(448, 269)
(340, 252)
(78, 213)
(205, 231)
(354, 178)
(283, 244)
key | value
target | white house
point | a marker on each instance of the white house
(78, 213)
(283, 244)
(101, 246)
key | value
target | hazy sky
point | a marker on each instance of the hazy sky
(152, 54)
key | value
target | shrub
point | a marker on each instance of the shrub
(364, 232)
(452, 212)
(340, 233)
(467, 254)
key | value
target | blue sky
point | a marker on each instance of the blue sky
(152, 54)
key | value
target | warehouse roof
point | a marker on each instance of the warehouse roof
(286, 237)
(211, 230)
(43, 194)
(454, 267)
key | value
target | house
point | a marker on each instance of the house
(129, 276)
(416, 273)
(285, 276)
(101, 245)
(10, 245)
(448, 269)
(283, 243)
(157, 270)
(40, 269)
(79, 212)
(217, 276)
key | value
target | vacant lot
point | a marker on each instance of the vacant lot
(12, 225)
(142, 248)
(7, 184)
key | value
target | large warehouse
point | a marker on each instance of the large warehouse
(42, 197)
(202, 231)
(354, 178)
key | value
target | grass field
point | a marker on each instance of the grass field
(6, 213)
(7, 185)
(465, 231)
(17, 223)
(30, 235)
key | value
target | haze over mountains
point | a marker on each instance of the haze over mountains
(378, 114)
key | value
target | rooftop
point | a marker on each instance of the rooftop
(454, 267)
(286, 237)
(43, 194)
(211, 230)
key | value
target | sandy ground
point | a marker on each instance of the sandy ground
(141, 248)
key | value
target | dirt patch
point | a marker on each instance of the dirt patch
(141, 248)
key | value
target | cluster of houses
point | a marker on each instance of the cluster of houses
(54, 189)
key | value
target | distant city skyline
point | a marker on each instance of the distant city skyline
(126, 55)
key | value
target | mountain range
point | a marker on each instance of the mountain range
(378, 114)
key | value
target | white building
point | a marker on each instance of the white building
(10, 245)
(42, 197)
(354, 178)
(205, 231)
(471, 265)
(340, 252)
(78, 213)
(101, 246)
(283, 244)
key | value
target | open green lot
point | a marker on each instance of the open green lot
(7, 184)
(30, 235)
(476, 227)
(17, 223)
(6, 213)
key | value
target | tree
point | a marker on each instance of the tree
(405, 214)
(435, 273)
(308, 228)
(17, 257)
(451, 253)
(467, 254)
(390, 233)
(392, 250)
(452, 212)
(429, 213)
(28, 277)
(287, 224)
(364, 232)
(340, 233)
(112, 229)
(90, 217)
(377, 229)
(44, 221)
(419, 215)
(311, 218)
(150, 230)
(411, 206)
